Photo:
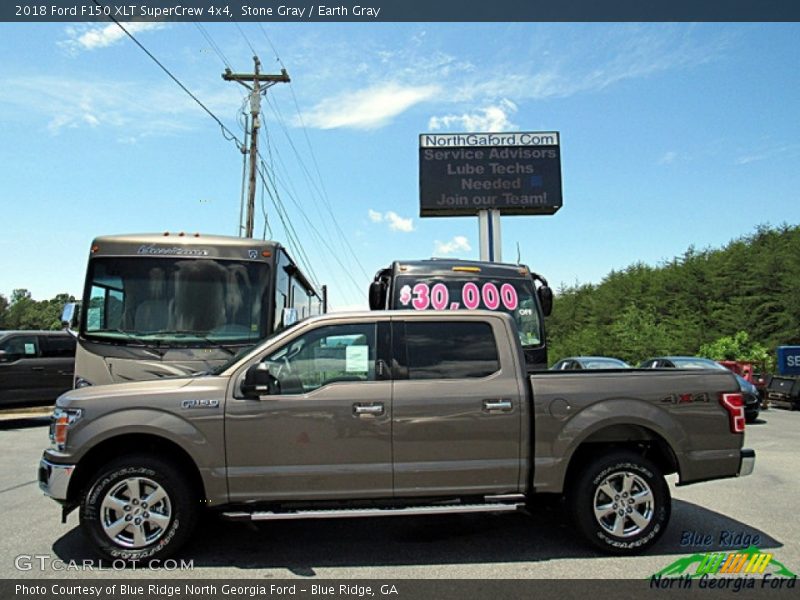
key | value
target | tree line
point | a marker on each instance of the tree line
(740, 301)
(23, 312)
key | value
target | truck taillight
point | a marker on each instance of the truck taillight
(734, 404)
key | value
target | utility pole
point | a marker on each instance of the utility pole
(253, 82)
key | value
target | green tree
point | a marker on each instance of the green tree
(26, 313)
(750, 285)
(737, 347)
(3, 309)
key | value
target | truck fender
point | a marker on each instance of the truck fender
(206, 454)
(609, 413)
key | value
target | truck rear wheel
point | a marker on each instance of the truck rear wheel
(621, 503)
(138, 508)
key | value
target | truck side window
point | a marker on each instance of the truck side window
(326, 355)
(450, 350)
(20, 346)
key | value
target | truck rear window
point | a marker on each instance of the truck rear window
(451, 350)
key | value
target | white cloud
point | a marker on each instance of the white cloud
(91, 37)
(668, 158)
(395, 221)
(458, 243)
(473, 94)
(399, 223)
(368, 108)
(489, 118)
(766, 151)
(129, 110)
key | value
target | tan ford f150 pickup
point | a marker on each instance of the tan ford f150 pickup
(388, 413)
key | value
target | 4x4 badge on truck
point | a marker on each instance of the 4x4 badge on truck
(685, 398)
(199, 403)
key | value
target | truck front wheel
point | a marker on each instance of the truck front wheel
(621, 503)
(138, 508)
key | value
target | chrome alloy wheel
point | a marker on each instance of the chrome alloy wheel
(623, 504)
(135, 512)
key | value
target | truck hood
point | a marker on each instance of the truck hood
(152, 388)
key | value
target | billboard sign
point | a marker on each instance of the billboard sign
(516, 173)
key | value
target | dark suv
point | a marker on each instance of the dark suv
(35, 366)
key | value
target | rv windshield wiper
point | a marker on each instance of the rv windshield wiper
(136, 340)
(196, 334)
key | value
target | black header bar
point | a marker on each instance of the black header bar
(370, 11)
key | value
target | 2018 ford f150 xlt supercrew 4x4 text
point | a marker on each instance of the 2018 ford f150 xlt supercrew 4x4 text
(388, 413)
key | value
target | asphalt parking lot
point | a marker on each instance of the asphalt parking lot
(541, 545)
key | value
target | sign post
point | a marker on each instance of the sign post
(489, 234)
(489, 175)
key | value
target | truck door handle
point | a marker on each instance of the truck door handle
(367, 409)
(37, 368)
(497, 405)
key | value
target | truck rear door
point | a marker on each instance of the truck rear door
(457, 407)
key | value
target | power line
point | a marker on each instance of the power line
(212, 43)
(324, 193)
(276, 200)
(226, 133)
(342, 237)
(292, 237)
(246, 39)
(318, 235)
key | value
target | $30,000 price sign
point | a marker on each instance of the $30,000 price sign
(423, 296)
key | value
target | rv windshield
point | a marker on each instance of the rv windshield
(514, 296)
(176, 301)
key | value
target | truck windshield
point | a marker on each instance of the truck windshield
(175, 301)
(514, 296)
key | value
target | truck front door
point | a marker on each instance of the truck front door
(457, 408)
(324, 431)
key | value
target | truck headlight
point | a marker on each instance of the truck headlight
(60, 422)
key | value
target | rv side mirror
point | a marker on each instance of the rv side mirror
(377, 295)
(289, 316)
(258, 381)
(69, 316)
(545, 299)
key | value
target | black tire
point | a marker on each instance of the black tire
(616, 470)
(161, 529)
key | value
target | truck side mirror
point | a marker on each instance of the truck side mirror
(545, 295)
(377, 295)
(258, 381)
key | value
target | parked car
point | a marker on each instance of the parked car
(575, 363)
(752, 400)
(36, 367)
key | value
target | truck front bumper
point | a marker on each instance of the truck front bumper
(747, 462)
(54, 479)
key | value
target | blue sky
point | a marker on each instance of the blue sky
(672, 135)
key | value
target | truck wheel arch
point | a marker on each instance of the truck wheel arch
(628, 436)
(133, 443)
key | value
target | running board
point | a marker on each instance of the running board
(371, 512)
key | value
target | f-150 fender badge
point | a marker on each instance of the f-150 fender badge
(199, 403)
